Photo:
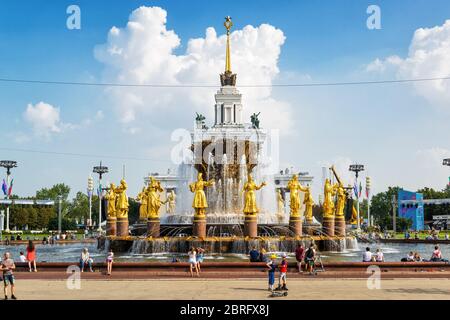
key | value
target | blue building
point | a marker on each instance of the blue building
(410, 206)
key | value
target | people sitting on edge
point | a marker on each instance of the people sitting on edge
(437, 255)
(416, 236)
(417, 257)
(446, 236)
(410, 256)
(22, 257)
(367, 255)
(86, 260)
(254, 255)
(19, 237)
(379, 256)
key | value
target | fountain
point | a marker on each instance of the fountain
(226, 194)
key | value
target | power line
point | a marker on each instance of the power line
(317, 84)
(80, 154)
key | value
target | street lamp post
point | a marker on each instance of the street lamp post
(90, 190)
(446, 162)
(8, 164)
(59, 214)
(100, 170)
(368, 187)
(357, 168)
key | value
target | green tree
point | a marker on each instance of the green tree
(18, 217)
(381, 207)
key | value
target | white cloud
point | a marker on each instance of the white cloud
(44, 119)
(143, 52)
(428, 57)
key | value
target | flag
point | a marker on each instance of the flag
(10, 188)
(99, 190)
(4, 187)
(355, 189)
(360, 189)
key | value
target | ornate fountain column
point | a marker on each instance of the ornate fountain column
(199, 204)
(295, 219)
(153, 227)
(251, 226)
(111, 226)
(199, 226)
(295, 225)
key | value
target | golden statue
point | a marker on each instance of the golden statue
(111, 197)
(280, 202)
(199, 203)
(172, 203)
(341, 199)
(154, 201)
(121, 200)
(250, 186)
(142, 197)
(309, 203)
(328, 203)
(295, 187)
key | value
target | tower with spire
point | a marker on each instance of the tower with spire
(228, 107)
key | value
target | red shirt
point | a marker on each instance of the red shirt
(283, 266)
(299, 253)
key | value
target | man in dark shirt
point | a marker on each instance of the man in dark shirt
(254, 255)
(299, 256)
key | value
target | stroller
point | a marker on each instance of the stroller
(318, 265)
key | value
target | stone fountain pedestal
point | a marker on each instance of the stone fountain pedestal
(199, 226)
(251, 226)
(111, 226)
(153, 227)
(328, 226)
(308, 227)
(339, 226)
(295, 225)
(122, 227)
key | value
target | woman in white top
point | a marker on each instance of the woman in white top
(379, 257)
(193, 262)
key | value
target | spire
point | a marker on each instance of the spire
(228, 24)
(228, 78)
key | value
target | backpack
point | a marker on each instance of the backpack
(309, 253)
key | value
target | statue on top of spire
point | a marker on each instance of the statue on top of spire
(228, 78)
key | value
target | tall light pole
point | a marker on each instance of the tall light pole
(100, 170)
(446, 162)
(59, 214)
(8, 164)
(90, 190)
(357, 168)
(368, 186)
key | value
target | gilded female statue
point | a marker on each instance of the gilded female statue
(171, 200)
(199, 203)
(309, 203)
(341, 199)
(142, 197)
(154, 202)
(121, 200)
(250, 186)
(111, 197)
(328, 203)
(295, 187)
(280, 203)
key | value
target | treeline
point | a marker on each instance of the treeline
(74, 211)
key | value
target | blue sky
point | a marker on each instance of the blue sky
(393, 129)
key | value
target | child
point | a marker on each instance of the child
(109, 262)
(22, 257)
(283, 270)
(272, 267)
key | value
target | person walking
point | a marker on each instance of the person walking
(310, 256)
(300, 256)
(31, 256)
(192, 254)
(109, 262)
(7, 268)
(200, 256)
(272, 266)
